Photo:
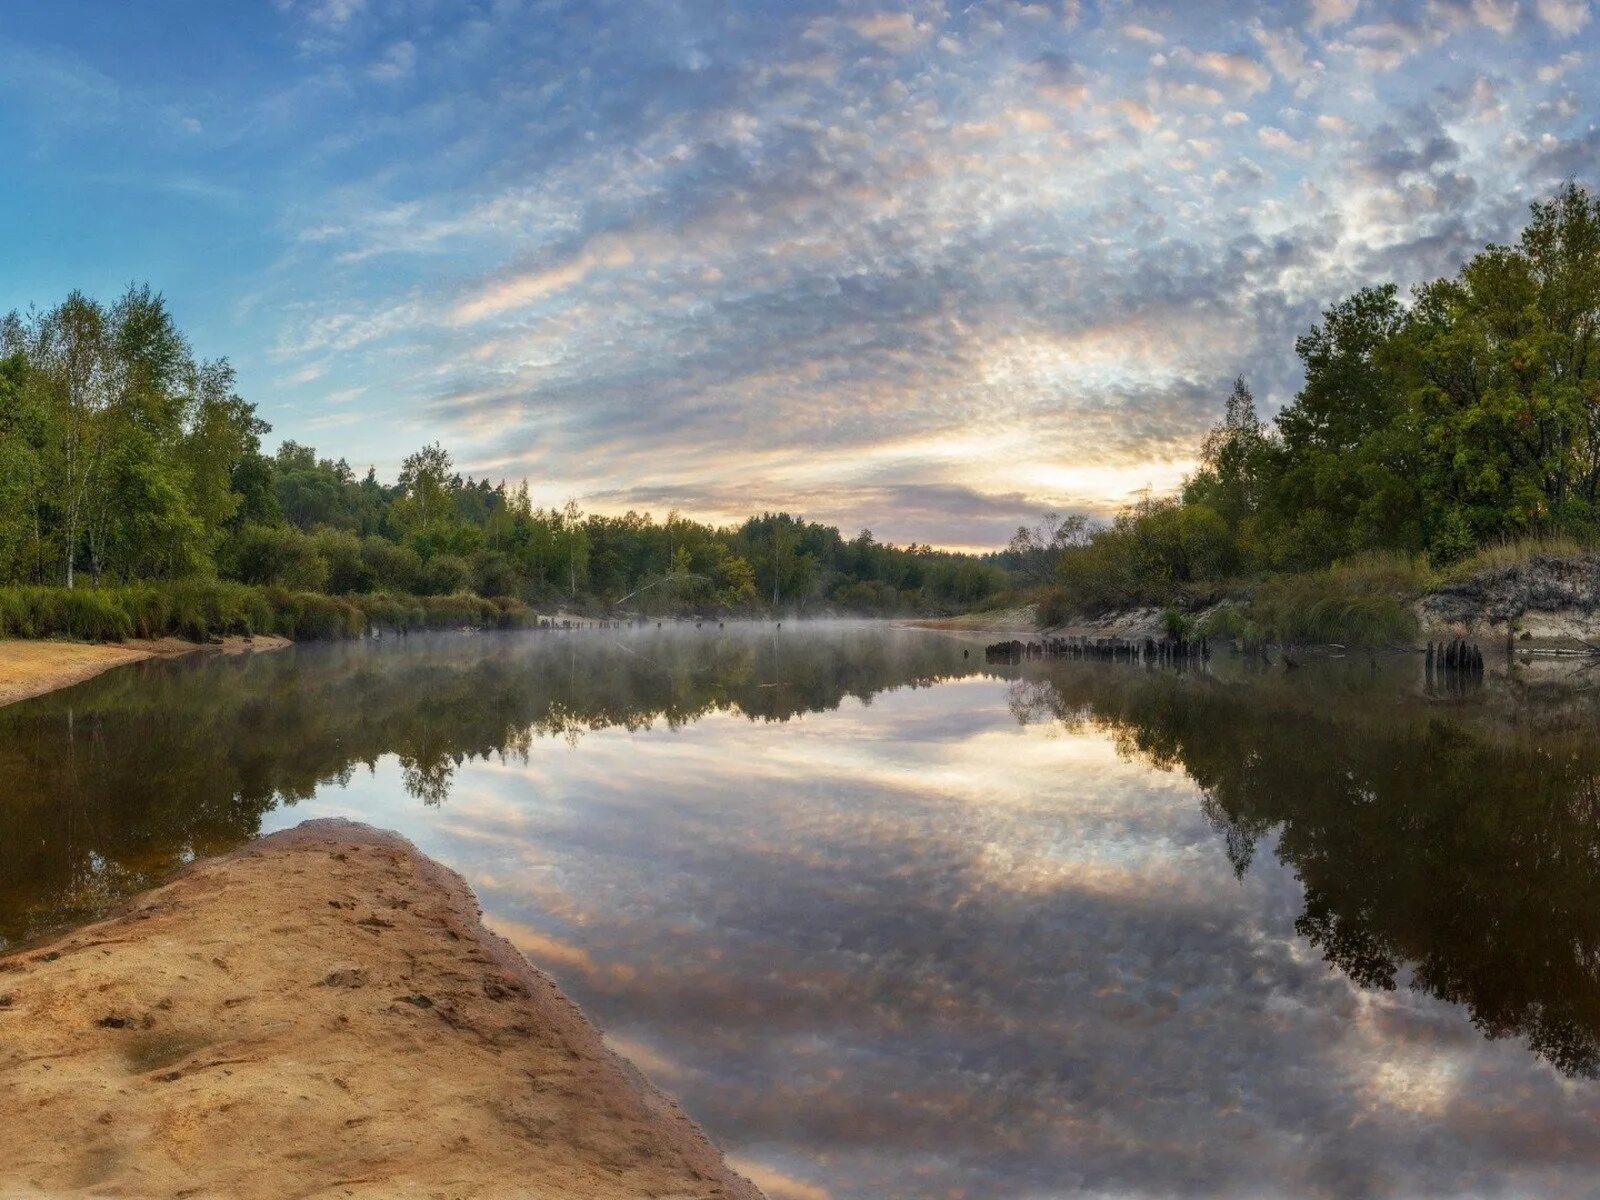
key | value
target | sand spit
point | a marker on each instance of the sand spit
(321, 1013)
(32, 668)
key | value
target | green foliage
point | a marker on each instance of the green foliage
(1149, 554)
(124, 459)
(445, 575)
(1176, 624)
(1465, 419)
(204, 609)
(276, 556)
(1229, 621)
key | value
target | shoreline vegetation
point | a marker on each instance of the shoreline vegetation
(1441, 445)
(1439, 469)
(135, 494)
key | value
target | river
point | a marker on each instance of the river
(891, 922)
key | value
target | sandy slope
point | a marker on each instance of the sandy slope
(320, 1014)
(32, 668)
(1018, 622)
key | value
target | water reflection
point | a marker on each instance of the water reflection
(110, 786)
(1451, 848)
(894, 925)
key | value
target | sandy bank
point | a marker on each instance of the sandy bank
(321, 1013)
(1023, 619)
(32, 668)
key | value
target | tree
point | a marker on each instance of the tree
(123, 454)
(71, 363)
(224, 435)
(22, 437)
(425, 481)
(1036, 550)
(576, 539)
(1506, 383)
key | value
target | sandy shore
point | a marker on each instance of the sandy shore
(32, 668)
(1018, 622)
(321, 1013)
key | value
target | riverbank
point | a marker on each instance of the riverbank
(1024, 618)
(1519, 594)
(34, 668)
(321, 1012)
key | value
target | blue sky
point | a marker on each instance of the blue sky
(923, 267)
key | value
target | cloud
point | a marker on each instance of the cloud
(777, 1184)
(897, 31)
(1331, 12)
(518, 291)
(1137, 113)
(1238, 68)
(1277, 139)
(397, 62)
(1286, 53)
(1384, 45)
(1498, 15)
(1565, 17)
(332, 14)
(895, 255)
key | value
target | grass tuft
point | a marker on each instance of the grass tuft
(1365, 601)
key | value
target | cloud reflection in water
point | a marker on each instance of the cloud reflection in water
(913, 948)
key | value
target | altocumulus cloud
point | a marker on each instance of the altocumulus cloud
(921, 266)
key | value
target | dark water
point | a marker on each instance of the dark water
(892, 923)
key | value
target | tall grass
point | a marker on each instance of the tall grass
(1365, 601)
(1514, 553)
(202, 609)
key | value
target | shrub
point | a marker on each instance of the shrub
(348, 571)
(445, 575)
(393, 568)
(1176, 624)
(275, 555)
(1229, 621)
(493, 574)
(89, 614)
(201, 609)
(323, 618)
(1150, 554)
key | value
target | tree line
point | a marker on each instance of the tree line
(1428, 427)
(125, 458)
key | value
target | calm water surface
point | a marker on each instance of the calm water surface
(892, 923)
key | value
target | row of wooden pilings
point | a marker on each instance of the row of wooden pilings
(1455, 656)
(1153, 651)
(617, 623)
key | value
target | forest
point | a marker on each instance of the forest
(134, 479)
(1429, 430)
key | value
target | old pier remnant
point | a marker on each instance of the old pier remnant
(1455, 657)
(1150, 651)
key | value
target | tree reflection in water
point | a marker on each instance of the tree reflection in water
(1446, 842)
(110, 786)
(1451, 847)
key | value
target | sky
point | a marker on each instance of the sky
(926, 268)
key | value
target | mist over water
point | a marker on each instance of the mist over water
(893, 923)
